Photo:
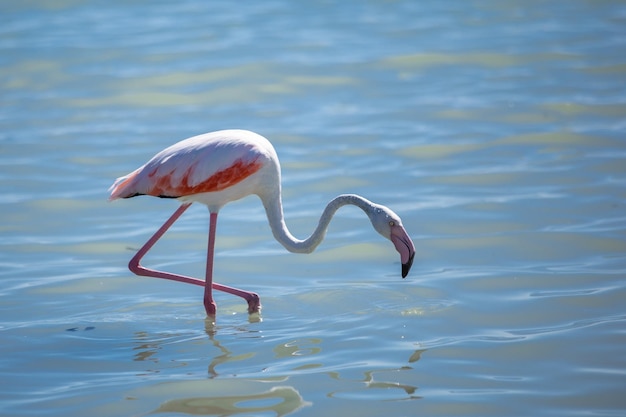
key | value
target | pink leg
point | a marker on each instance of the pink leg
(254, 303)
(135, 266)
(209, 304)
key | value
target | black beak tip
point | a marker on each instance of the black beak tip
(407, 266)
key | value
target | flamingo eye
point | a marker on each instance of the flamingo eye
(392, 223)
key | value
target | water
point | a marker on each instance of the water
(495, 129)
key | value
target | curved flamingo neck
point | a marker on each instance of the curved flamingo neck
(274, 209)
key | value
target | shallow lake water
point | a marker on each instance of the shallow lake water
(496, 130)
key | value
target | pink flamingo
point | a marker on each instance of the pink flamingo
(218, 167)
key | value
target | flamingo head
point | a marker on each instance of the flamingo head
(389, 225)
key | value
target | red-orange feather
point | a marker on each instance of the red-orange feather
(221, 180)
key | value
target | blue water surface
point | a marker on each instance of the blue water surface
(496, 130)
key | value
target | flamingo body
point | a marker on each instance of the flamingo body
(214, 169)
(218, 167)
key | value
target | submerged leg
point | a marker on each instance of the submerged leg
(134, 265)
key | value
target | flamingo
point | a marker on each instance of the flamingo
(219, 167)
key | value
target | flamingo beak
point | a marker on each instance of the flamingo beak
(404, 245)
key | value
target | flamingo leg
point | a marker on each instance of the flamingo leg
(135, 266)
(209, 304)
(254, 302)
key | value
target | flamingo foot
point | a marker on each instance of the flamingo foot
(210, 307)
(254, 303)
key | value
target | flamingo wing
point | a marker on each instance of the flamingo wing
(205, 163)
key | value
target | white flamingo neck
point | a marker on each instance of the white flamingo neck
(274, 210)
